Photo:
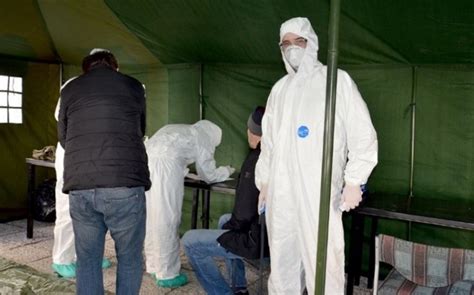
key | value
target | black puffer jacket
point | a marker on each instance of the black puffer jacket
(243, 237)
(101, 124)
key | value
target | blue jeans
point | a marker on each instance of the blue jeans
(121, 210)
(201, 247)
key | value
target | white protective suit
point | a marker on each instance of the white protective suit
(64, 251)
(289, 167)
(170, 151)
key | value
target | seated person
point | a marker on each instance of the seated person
(238, 235)
(170, 150)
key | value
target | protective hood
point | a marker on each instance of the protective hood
(209, 130)
(301, 27)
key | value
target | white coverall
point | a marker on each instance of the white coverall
(170, 151)
(64, 251)
(290, 162)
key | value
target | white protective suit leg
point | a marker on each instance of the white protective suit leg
(164, 203)
(308, 219)
(286, 263)
(64, 251)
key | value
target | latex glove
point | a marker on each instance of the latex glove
(262, 200)
(230, 169)
(351, 197)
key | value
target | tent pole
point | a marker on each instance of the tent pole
(61, 73)
(412, 135)
(412, 141)
(326, 171)
(201, 91)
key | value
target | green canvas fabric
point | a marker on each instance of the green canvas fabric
(444, 157)
(23, 33)
(420, 31)
(240, 31)
(247, 31)
(87, 25)
(40, 86)
(231, 93)
(183, 94)
(387, 92)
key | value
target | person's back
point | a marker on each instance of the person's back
(100, 125)
(103, 146)
(171, 149)
(174, 140)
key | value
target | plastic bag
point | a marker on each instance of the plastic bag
(44, 206)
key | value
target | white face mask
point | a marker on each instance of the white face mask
(294, 55)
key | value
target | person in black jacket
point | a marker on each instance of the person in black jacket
(100, 126)
(238, 235)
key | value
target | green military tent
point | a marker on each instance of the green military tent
(219, 59)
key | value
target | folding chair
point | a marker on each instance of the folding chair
(423, 269)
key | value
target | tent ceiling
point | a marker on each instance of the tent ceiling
(66, 30)
(23, 33)
(245, 31)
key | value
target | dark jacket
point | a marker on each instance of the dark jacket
(101, 125)
(243, 237)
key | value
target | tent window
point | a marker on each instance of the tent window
(11, 93)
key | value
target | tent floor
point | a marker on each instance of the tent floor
(36, 253)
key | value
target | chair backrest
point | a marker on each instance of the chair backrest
(427, 265)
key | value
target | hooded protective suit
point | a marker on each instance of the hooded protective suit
(170, 151)
(64, 251)
(289, 167)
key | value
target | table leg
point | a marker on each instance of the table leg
(373, 233)
(206, 202)
(355, 251)
(194, 210)
(30, 199)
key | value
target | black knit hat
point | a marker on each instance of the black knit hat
(254, 123)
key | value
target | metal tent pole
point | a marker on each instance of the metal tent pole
(412, 135)
(61, 73)
(201, 91)
(326, 170)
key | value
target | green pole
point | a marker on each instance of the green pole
(326, 170)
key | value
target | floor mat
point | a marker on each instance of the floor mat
(21, 279)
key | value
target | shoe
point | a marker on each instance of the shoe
(65, 270)
(106, 263)
(177, 281)
(241, 291)
(69, 270)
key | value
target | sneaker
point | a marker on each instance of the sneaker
(106, 263)
(65, 270)
(177, 281)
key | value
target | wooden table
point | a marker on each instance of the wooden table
(453, 214)
(198, 186)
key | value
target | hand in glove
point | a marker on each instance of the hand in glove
(230, 169)
(262, 200)
(351, 197)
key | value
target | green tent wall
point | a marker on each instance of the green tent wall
(396, 51)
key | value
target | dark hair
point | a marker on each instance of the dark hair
(99, 58)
